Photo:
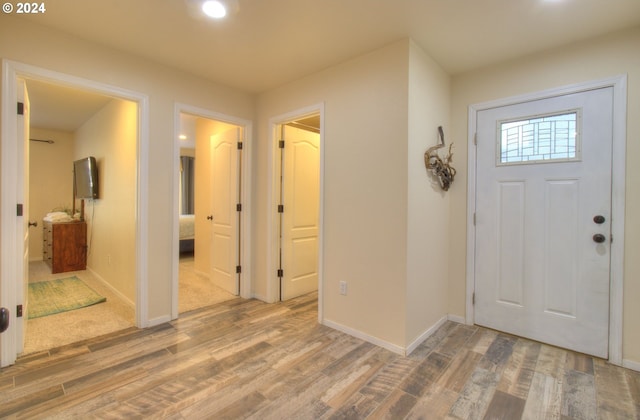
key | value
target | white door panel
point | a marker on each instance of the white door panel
(23, 197)
(301, 199)
(539, 273)
(224, 181)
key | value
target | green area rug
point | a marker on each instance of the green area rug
(61, 295)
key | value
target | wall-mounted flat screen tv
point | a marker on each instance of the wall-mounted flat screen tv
(85, 178)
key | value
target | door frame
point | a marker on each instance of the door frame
(245, 188)
(619, 85)
(11, 71)
(273, 283)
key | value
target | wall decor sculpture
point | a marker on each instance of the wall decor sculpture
(439, 167)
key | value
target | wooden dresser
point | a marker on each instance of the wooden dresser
(65, 246)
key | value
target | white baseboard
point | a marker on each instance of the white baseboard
(157, 321)
(630, 364)
(390, 346)
(366, 337)
(116, 292)
(456, 318)
(411, 347)
(259, 297)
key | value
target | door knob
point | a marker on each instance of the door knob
(4, 319)
(599, 219)
(34, 224)
(599, 238)
(210, 217)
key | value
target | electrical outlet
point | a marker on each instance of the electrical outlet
(343, 287)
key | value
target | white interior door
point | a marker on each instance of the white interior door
(224, 198)
(300, 218)
(543, 193)
(23, 197)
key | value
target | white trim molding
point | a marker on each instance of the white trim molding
(11, 72)
(272, 180)
(245, 188)
(619, 85)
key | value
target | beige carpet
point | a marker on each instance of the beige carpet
(195, 291)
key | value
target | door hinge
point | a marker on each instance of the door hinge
(20, 108)
(473, 298)
(475, 138)
(280, 273)
(19, 210)
(280, 208)
(239, 145)
(474, 219)
(19, 311)
(238, 269)
(281, 144)
(611, 238)
(239, 207)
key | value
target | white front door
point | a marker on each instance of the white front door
(300, 217)
(224, 198)
(543, 219)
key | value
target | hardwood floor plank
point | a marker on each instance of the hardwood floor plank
(504, 406)
(425, 374)
(435, 404)
(242, 408)
(247, 359)
(396, 406)
(551, 361)
(544, 398)
(476, 395)
(518, 373)
(633, 381)
(580, 362)
(578, 395)
(497, 355)
(459, 370)
(451, 344)
(616, 401)
(24, 402)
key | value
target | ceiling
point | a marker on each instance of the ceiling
(263, 44)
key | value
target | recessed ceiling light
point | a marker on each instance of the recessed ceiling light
(214, 9)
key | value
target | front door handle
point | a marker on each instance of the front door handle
(599, 238)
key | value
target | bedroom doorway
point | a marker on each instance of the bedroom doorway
(82, 124)
(209, 208)
(111, 100)
(296, 202)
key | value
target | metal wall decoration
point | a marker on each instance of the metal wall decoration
(440, 168)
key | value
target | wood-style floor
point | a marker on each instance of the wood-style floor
(247, 359)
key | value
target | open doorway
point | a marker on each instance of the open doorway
(72, 249)
(14, 277)
(210, 209)
(297, 204)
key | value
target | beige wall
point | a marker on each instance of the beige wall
(111, 136)
(428, 205)
(45, 48)
(601, 58)
(365, 178)
(372, 146)
(50, 180)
